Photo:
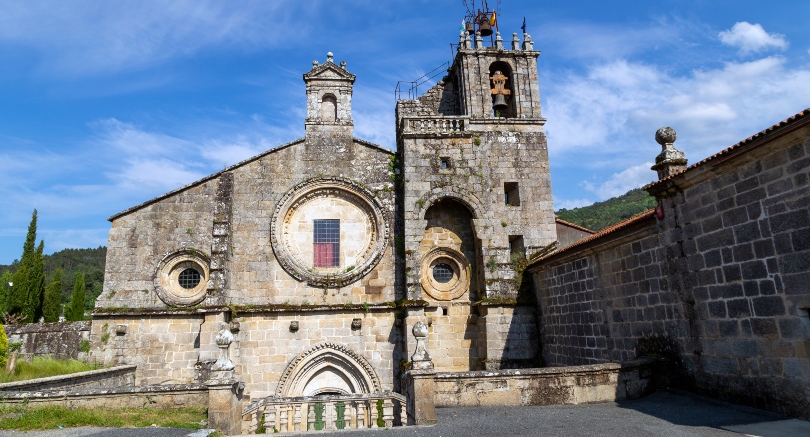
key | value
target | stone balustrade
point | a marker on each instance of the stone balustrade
(317, 413)
(434, 125)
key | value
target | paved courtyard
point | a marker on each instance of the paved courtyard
(664, 413)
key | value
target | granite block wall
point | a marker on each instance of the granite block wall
(719, 283)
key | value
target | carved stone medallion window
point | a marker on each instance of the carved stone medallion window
(328, 232)
(182, 278)
(445, 274)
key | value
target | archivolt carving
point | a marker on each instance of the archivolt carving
(340, 358)
(348, 191)
(458, 194)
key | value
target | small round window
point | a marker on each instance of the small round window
(189, 278)
(442, 273)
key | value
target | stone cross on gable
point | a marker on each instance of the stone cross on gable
(500, 84)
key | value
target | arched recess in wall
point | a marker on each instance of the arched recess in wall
(502, 89)
(328, 368)
(449, 251)
(328, 108)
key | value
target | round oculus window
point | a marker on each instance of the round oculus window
(442, 273)
(182, 278)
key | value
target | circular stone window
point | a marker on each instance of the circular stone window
(328, 231)
(182, 278)
(445, 274)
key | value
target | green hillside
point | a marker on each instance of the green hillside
(603, 214)
(72, 261)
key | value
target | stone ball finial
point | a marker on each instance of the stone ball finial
(329, 56)
(665, 135)
(420, 330)
(343, 64)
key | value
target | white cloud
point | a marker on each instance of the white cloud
(82, 37)
(751, 38)
(612, 111)
(622, 182)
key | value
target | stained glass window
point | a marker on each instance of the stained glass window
(327, 243)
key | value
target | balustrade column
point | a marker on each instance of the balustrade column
(297, 418)
(388, 412)
(372, 407)
(361, 414)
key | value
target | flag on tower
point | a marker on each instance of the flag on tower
(463, 26)
(524, 25)
(492, 19)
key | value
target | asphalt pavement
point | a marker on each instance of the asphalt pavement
(664, 413)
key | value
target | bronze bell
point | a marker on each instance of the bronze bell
(485, 28)
(470, 28)
(499, 104)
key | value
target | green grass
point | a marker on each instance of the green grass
(43, 367)
(25, 417)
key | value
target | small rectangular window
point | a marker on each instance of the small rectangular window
(516, 244)
(511, 194)
(326, 238)
(444, 163)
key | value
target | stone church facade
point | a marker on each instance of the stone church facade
(320, 255)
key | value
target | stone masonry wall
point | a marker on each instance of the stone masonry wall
(59, 340)
(719, 284)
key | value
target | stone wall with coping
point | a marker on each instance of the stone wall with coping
(608, 382)
(161, 396)
(719, 283)
(59, 340)
(119, 376)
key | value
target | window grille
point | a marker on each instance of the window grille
(189, 278)
(442, 273)
(326, 243)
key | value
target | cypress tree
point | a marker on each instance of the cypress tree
(52, 305)
(18, 303)
(75, 309)
(5, 292)
(36, 286)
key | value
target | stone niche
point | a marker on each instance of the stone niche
(363, 230)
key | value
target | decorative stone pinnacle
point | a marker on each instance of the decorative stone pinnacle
(343, 64)
(314, 63)
(515, 41)
(329, 56)
(223, 339)
(420, 360)
(671, 160)
(498, 41)
(528, 44)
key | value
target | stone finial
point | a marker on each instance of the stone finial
(528, 44)
(314, 63)
(462, 39)
(671, 160)
(329, 57)
(479, 42)
(223, 339)
(343, 64)
(420, 360)
(515, 41)
(498, 41)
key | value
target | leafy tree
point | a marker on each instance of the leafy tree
(75, 309)
(36, 286)
(19, 291)
(600, 215)
(52, 305)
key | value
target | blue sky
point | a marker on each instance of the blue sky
(104, 105)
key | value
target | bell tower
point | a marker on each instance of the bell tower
(476, 202)
(329, 99)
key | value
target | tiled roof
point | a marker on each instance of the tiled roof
(569, 224)
(601, 234)
(744, 144)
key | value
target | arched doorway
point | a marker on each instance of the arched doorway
(328, 369)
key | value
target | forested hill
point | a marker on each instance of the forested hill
(603, 214)
(72, 261)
